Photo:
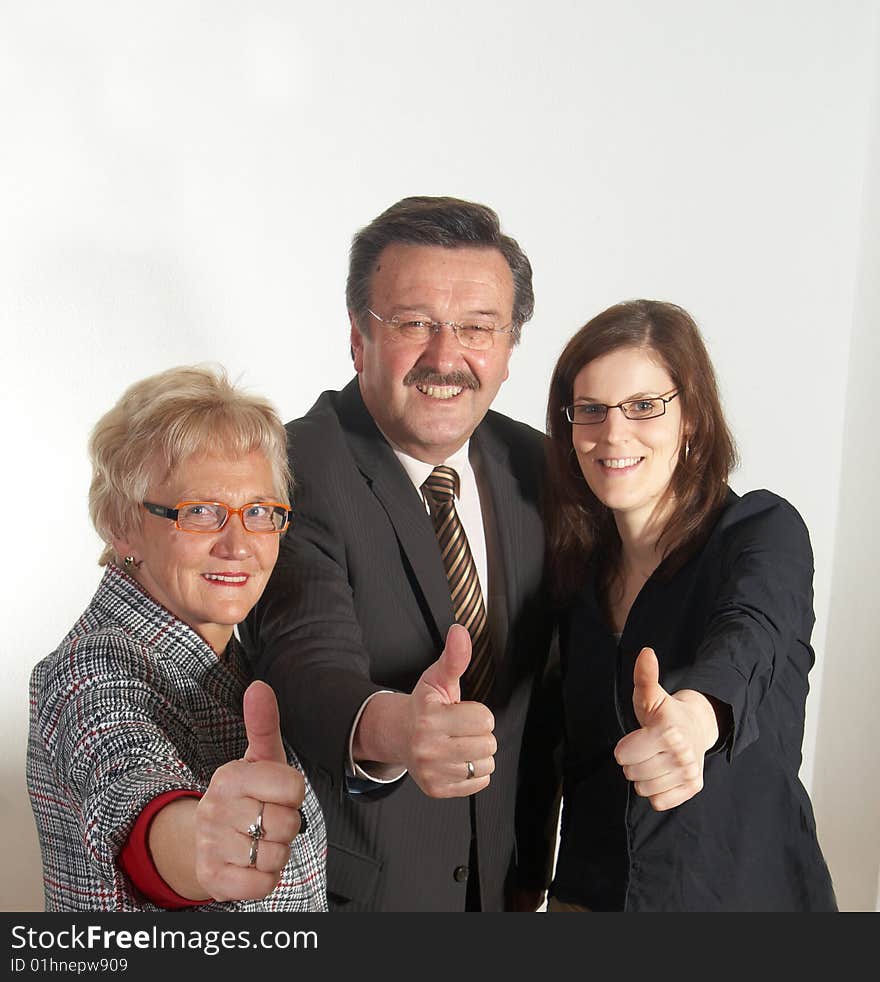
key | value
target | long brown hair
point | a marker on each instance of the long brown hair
(579, 526)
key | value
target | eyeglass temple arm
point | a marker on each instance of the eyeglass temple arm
(161, 511)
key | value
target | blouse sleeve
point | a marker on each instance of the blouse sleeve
(757, 636)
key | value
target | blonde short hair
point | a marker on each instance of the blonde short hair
(162, 420)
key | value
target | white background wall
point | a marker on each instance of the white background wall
(847, 770)
(179, 182)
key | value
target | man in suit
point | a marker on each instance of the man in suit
(417, 758)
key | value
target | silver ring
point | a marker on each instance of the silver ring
(469, 764)
(255, 829)
(256, 832)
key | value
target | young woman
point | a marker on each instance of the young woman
(685, 638)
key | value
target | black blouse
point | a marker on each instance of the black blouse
(734, 622)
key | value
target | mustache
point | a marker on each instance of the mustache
(427, 376)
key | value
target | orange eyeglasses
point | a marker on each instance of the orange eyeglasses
(258, 517)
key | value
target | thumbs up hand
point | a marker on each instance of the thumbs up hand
(445, 734)
(260, 792)
(664, 758)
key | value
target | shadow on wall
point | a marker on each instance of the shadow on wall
(22, 885)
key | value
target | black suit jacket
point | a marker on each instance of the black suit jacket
(359, 602)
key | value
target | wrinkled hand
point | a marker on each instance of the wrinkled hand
(232, 803)
(664, 759)
(445, 732)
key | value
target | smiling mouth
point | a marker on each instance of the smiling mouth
(227, 579)
(441, 385)
(440, 391)
(620, 463)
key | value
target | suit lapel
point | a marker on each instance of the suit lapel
(403, 504)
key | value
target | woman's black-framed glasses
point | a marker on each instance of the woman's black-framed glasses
(258, 517)
(588, 413)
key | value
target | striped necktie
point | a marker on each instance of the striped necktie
(441, 489)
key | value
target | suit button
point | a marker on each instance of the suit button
(460, 874)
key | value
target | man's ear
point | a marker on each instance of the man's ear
(357, 343)
(507, 366)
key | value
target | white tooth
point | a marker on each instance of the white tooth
(439, 391)
(620, 462)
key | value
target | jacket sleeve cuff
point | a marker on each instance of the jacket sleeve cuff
(136, 861)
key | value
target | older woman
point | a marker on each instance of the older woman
(158, 777)
(685, 642)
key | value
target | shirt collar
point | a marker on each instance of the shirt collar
(418, 471)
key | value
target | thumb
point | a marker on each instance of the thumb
(442, 678)
(648, 694)
(262, 724)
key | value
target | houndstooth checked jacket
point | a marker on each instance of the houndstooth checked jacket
(134, 703)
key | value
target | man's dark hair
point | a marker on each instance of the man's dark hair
(447, 222)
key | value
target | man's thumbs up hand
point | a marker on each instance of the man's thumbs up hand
(445, 734)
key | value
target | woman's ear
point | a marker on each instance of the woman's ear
(125, 549)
